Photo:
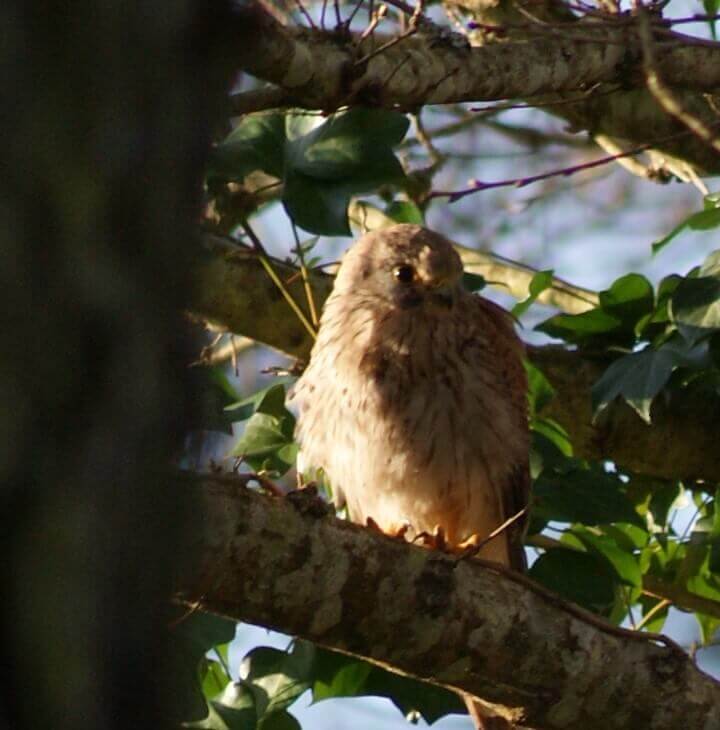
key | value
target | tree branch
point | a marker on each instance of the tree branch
(233, 292)
(321, 71)
(466, 625)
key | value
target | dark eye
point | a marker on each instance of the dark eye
(405, 274)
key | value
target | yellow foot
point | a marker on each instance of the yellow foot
(435, 540)
(395, 532)
(470, 547)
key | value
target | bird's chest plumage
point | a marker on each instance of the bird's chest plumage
(416, 428)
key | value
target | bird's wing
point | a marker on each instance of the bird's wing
(509, 352)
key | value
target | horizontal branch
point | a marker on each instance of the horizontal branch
(233, 291)
(464, 625)
(320, 68)
(326, 70)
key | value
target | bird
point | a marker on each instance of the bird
(414, 402)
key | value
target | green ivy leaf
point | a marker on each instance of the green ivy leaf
(582, 578)
(473, 282)
(215, 679)
(270, 400)
(696, 302)
(337, 675)
(322, 162)
(348, 679)
(629, 298)
(320, 206)
(623, 562)
(405, 211)
(622, 309)
(214, 393)
(704, 220)
(711, 8)
(579, 328)
(540, 391)
(257, 143)
(191, 639)
(235, 708)
(283, 676)
(541, 281)
(589, 496)
(351, 152)
(637, 377)
(267, 443)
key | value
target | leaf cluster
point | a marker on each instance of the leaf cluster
(271, 680)
(321, 163)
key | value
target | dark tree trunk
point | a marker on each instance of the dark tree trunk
(105, 125)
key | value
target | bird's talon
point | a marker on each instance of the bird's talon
(434, 540)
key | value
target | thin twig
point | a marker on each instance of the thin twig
(305, 278)
(521, 182)
(234, 356)
(412, 29)
(305, 14)
(473, 550)
(632, 165)
(351, 17)
(650, 615)
(425, 140)
(265, 261)
(375, 19)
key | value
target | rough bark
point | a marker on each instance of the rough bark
(107, 110)
(327, 70)
(461, 624)
(234, 292)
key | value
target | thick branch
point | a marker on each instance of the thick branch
(321, 70)
(234, 291)
(459, 624)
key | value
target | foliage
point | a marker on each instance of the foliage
(321, 163)
(598, 532)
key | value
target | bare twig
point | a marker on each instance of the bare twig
(375, 19)
(412, 29)
(218, 355)
(265, 261)
(305, 14)
(479, 185)
(306, 279)
(650, 615)
(425, 140)
(521, 182)
(632, 165)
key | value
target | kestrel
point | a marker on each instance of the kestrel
(414, 401)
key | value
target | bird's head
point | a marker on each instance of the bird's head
(405, 266)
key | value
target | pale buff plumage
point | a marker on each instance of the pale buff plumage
(414, 400)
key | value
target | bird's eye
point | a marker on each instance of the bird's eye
(404, 274)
